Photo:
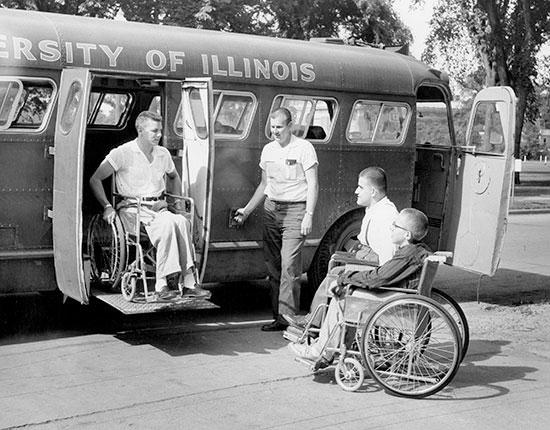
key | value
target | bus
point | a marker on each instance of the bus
(71, 88)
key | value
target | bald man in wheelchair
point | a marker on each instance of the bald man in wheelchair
(402, 271)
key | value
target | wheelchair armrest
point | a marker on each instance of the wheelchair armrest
(189, 202)
(445, 257)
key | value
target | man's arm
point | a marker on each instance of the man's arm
(96, 184)
(311, 199)
(173, 183)
(382, 275)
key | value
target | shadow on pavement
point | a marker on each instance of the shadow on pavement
(506, 288)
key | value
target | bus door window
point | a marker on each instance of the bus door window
(313, 118)
(487, 134)
(378, 122)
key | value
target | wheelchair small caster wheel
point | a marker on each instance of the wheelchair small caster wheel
(129, 286)
(349, 373)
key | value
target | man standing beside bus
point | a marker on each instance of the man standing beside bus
(290, 187)
(146, 170)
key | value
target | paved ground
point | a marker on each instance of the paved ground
(87, 368)
(218, 371)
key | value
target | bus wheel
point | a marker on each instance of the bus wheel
(342, 236)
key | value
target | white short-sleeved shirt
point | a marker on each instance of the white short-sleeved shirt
(286, 167)
(376, 228)
(136, 176)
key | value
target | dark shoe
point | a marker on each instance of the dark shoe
(322, 363)
(298, 321)
(274, 326)
(196, 293)
(164, 294)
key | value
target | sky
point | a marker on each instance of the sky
(417, 20)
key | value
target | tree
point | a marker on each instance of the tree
(506, 36)
(95, 8)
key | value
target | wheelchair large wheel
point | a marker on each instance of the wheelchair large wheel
(349, 374)
(411, 346)
(456, 312)
(107, 250)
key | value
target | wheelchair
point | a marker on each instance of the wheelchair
(121, 259)
(410, 341)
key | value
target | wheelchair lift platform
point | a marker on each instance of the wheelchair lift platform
(140, 306)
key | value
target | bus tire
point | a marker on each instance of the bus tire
(342, 236)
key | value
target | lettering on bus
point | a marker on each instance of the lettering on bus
(13, 48)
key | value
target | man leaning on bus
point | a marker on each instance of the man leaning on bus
(289, 180)
(146, 170)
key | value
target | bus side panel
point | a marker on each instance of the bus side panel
(26, 180)
(236, 253)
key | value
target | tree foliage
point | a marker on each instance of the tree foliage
(94, 8)
(504, 37)
(370, 21)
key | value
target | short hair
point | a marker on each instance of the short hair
(284, 112)
(145, 115)
(417, 223)
(376, 177)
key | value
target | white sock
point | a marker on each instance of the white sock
(160, 284)
(189, 279)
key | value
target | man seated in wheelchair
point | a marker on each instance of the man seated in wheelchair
(146, 170)
(402, 271)
(375, 246)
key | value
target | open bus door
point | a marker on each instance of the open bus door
(198, 158)
(67, 184)
(481, 191)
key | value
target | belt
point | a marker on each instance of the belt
(287, 203)
(151, 199)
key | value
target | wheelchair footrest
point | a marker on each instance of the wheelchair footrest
(291, 335)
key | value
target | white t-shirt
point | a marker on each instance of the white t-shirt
(286, 167)
(376, 228)
(136, 176)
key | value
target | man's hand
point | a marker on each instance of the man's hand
(159, 205)
(240, 216)
(307, 224)
(109, 214)
(338, 290)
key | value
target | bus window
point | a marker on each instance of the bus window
(10, 96)
(378, 122)
(432, 124)
(233, 114)
(487, 134)
(313, 118)
(25, 103)
(108, 109)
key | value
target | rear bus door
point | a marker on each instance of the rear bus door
(70, 133)
(481, 191)
(198, 157)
